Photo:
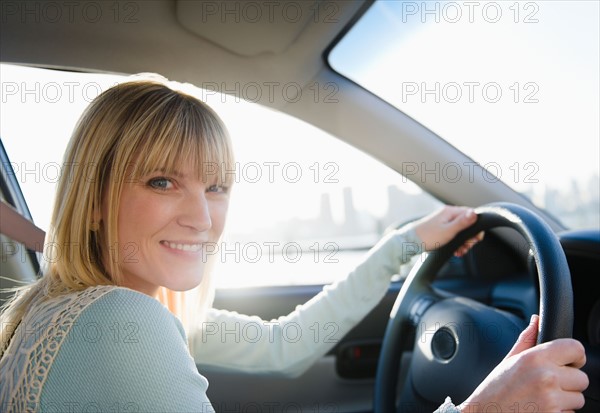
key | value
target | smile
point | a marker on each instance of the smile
(182, 247)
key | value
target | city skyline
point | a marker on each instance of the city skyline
(579, 207)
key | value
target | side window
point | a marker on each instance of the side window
(305, 206)
(18, 260)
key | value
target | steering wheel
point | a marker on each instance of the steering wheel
(457, 341)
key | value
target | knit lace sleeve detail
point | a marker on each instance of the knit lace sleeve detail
(26, 362)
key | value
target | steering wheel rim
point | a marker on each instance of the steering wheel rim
(437, 349)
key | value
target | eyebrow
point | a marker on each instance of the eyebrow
(170, 172)
(180, 174)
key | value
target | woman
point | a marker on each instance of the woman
(132, 224)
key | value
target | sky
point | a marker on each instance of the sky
(518, 83)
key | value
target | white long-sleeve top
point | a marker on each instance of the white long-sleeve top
(289, 345)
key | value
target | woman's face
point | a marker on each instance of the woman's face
(168, 225)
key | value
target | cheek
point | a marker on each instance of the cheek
(127, 224)
(128, 219)
(140, 215)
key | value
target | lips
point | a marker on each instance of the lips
(186, 247)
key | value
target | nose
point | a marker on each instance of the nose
(195, 212)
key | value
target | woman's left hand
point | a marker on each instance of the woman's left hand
(441, 226)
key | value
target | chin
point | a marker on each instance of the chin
(184, 285)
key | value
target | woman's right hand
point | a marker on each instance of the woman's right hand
(534, 378)
(441, 226)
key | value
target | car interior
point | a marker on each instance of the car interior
(276, 54)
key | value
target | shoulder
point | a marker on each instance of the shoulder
(90, 349)
(123, 316)
(127, 347)
(124, 328)
(122, 305)
(122, 321)
(121, 298)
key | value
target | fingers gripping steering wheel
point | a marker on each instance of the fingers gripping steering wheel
(457, 341)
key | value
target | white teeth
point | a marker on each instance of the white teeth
(183, 247)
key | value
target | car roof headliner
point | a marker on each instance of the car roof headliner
(184, 41)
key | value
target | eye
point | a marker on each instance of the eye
(217, 188)
(160, 183)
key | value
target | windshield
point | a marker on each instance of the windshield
(514, 85)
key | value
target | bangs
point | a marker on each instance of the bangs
(183, 132)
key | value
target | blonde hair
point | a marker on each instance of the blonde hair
(136, 117)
